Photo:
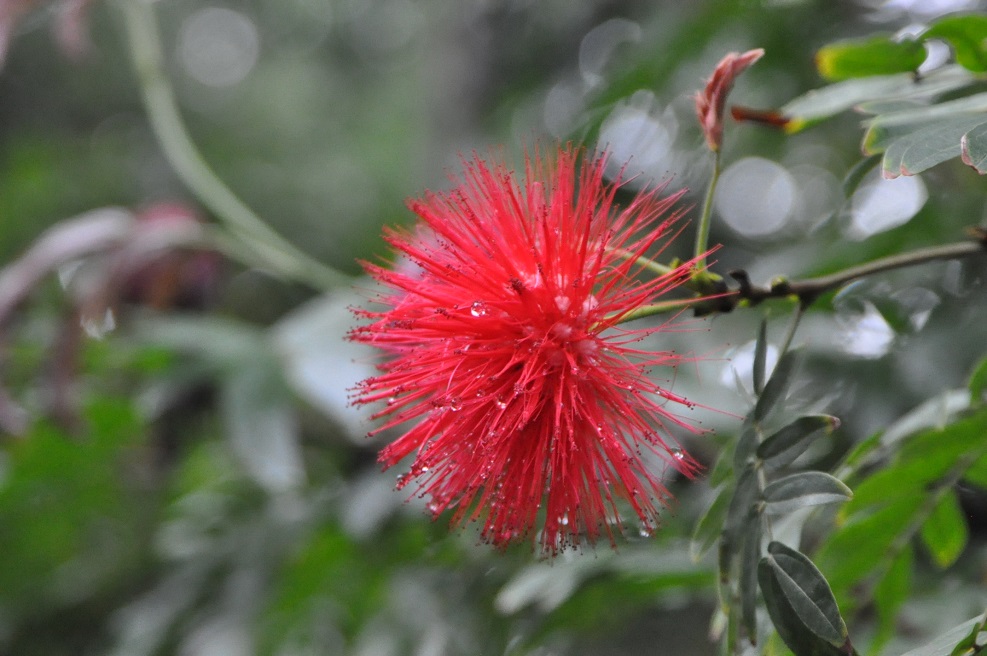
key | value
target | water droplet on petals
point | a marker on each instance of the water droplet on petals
(478, 309)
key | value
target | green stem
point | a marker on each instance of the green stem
(792, 327)
(658, 308)
(655, 267)
(702, 231)
(264, 245)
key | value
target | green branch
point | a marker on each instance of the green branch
(702, 231)
(262, 244)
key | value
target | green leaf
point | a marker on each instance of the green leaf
(978, 382)
(890, 594)
(710, 525)
(760, 357)
(874, 55)
(801, 604)
(977, 473)
(742, 501)
(750, 555)
(974, 641)
(746, 443)
(939, 411)
(777, 386)
(857, 174)
(804, 489)
(973, 148)
(820, 104)
(723, 468)
(783, 447)
(262, 426)
(956, 638)
(928, 145)
(860, 546)
(968, 105)
(945, 532)
(966, 35)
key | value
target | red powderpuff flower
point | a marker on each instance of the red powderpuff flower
(522, 399)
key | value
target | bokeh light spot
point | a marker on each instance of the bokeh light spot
(218, 47)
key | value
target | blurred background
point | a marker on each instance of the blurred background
(187, 477)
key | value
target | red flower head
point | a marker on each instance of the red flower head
(523, 400)
(711, 101)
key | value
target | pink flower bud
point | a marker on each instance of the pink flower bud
(711, 101)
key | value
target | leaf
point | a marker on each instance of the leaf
(890, 593)
(921, 148)
(978, 382)
(777, 386)
(723, 468)
(750, 555)
(746, 444)
(968, 105)
(800, 603)
(783, 447)
(945, 532)
(945, 644)
(860, 546)
(760, 357)
(262, 427)
(873, 55)
(804, 489)
(977, 473)
(857, 174)
(973, 149)
(937, 411)
(742, 501)
(819, 104)
(710, 525)
(966, 35)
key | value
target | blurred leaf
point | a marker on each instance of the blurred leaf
(723, 469)
(869, 56)
(977, 473)
(966, 35)
(804, 489)
(945, 532)
(957, 638)
(857, 174)
(262, 427)
(224, 343)
(783, 447)
(820, 104)
(69, 511)
(311, 341)
(968, 106)
(863, 545)
(777, 386)
(801, 604)
(978, 382)
(973, 148)
(891, 505)
(742, 501)
(921, 147)
(750, 555)
(937, 411)
(923, 460)
(710, 525)
(760, 357)
(890, 593)
(913, 148)
(746, 445)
